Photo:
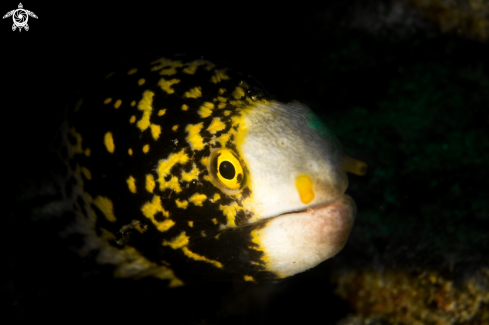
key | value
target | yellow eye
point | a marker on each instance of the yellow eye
(228, 169)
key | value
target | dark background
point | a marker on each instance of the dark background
(401, 95)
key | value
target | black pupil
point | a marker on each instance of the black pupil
(226, 169)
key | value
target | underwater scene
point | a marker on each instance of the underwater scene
(200, 164)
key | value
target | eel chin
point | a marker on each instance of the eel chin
(295, 242)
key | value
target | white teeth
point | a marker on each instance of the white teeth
(309, 210)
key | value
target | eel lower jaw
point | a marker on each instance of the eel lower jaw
(295, 242)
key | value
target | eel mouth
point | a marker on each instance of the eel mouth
(344, 209)
(329, 223)
(297, 241)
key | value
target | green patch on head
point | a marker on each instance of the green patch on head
(315, 123)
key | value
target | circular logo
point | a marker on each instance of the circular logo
(20, 17)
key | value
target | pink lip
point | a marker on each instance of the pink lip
(329, 222)
(295, 242)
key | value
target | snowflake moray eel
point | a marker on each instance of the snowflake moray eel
(186, 170)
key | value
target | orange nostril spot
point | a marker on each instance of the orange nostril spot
(303, 183)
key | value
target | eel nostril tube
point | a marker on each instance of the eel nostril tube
(351, 165)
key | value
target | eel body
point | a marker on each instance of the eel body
(186, 170)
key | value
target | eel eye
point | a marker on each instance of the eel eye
(228, 169)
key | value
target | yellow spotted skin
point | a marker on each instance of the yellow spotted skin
(143, 198)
